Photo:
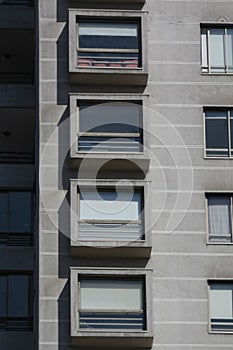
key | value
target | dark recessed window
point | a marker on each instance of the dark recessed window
(15, 217)
(219, 132)
(15, 302)
(110, 127)
(113, 44)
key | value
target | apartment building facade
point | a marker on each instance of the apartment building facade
(116, 174)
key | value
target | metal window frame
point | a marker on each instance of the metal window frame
(29, 275)
(75, 99)
(230, 149)
(116, 50)
(109, 278)
(108, 183)
(209, 283)
(220, 193)
(110, 134)
(208, 27)
(108, 273)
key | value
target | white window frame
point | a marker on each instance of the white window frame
(206, 69)
(211, 282)
(220, 242)
(230, 146)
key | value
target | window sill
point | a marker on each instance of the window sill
(106, 339)
(93, 249)
(219, 243)
(109, 76)
(221, 332)
(216, 74)
(219, 158)
(110, 161)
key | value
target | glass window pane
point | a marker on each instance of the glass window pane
(114, 117)
(108, 205)
(111, 295)
(231, 126)
(108, 35)
(20, 212)
(230, 49)
(217, 129)
(217, 50)
(204, 56)
(3, 212)
(18, 296)
(219, 215)
(221, 301)
(3, 296)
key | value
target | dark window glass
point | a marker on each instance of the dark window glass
(217, 131)
(108, 35)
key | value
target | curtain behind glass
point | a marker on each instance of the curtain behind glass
(219, 215)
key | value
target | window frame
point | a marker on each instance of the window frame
(140, 16)
(211, 282)
(208, 26)
(127, 247)
(137, 51)
(229, 118)
(112, 278)
(113, 135)
(75, 99)
(29, 318)
(216, 193)
(15, 238)
(108, 273)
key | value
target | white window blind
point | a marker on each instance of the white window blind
(111, 295)
(204, 48)
(217, 47)
(106, 205)
(219, 215)
(221, 301)
(108, 29)
(230, 47)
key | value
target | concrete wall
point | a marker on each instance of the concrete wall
(181, 260)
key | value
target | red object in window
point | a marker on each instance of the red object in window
(84, 62)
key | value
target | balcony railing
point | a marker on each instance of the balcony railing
(112, 320)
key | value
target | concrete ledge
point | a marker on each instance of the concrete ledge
(108, 77)
(104, 340)
(96, 250)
